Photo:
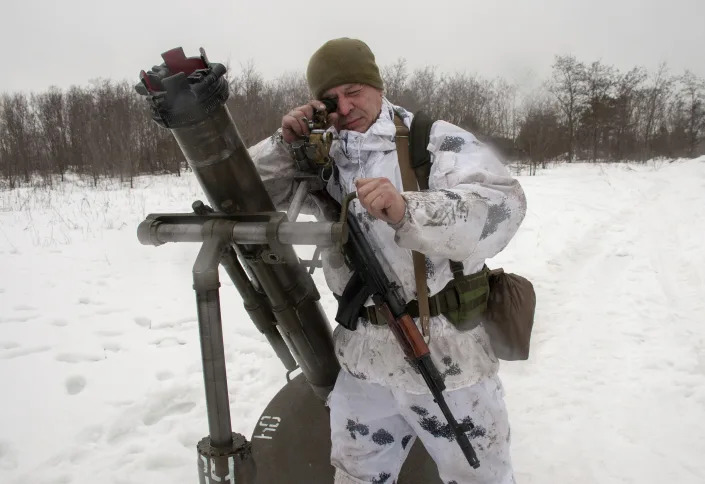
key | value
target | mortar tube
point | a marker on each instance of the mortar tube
(188, 97)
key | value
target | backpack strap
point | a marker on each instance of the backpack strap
(419, 137)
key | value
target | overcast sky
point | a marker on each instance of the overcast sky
(53, 42)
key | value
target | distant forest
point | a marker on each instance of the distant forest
(588, 112)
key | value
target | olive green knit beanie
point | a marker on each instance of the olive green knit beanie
(342, 61)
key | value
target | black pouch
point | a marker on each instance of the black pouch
(510, 314)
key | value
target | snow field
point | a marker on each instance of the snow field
(100, 365)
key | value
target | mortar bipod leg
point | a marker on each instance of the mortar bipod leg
(223, 456)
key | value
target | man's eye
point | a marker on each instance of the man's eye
(354, 93)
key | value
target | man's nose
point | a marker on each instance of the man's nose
(344, 106)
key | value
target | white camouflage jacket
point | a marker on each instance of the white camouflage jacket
(471, 211)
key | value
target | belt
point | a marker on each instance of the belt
(461, 298)
(412, 309)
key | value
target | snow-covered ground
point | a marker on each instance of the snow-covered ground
(100, 372)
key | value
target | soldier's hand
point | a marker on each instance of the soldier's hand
(295, 122)
(381, 199)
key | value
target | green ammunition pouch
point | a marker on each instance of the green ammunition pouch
(463, 301)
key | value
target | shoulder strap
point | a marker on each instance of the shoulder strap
(403, 141)
(419, 137)
(409, 183)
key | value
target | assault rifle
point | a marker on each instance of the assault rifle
(369, 280)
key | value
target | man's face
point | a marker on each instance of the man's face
(359, 106)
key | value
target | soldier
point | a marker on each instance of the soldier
(473, 207)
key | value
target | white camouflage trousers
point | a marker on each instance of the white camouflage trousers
(373, 428)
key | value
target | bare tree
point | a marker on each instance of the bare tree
(692, 93)
(598, 83)
(254, 103)
(624, 135)
(565, 85)
(51, 119)
(18, 132)
(105, 129)
(504, 108)
(291, 89)
(78, 116)
(424, 85)
(541, 136)
(655, 97)
(395, 81)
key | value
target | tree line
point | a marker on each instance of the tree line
(584, 111)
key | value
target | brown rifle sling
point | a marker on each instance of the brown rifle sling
(410, 184)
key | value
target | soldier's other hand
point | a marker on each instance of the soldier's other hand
(295, 122)
(381, 199)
